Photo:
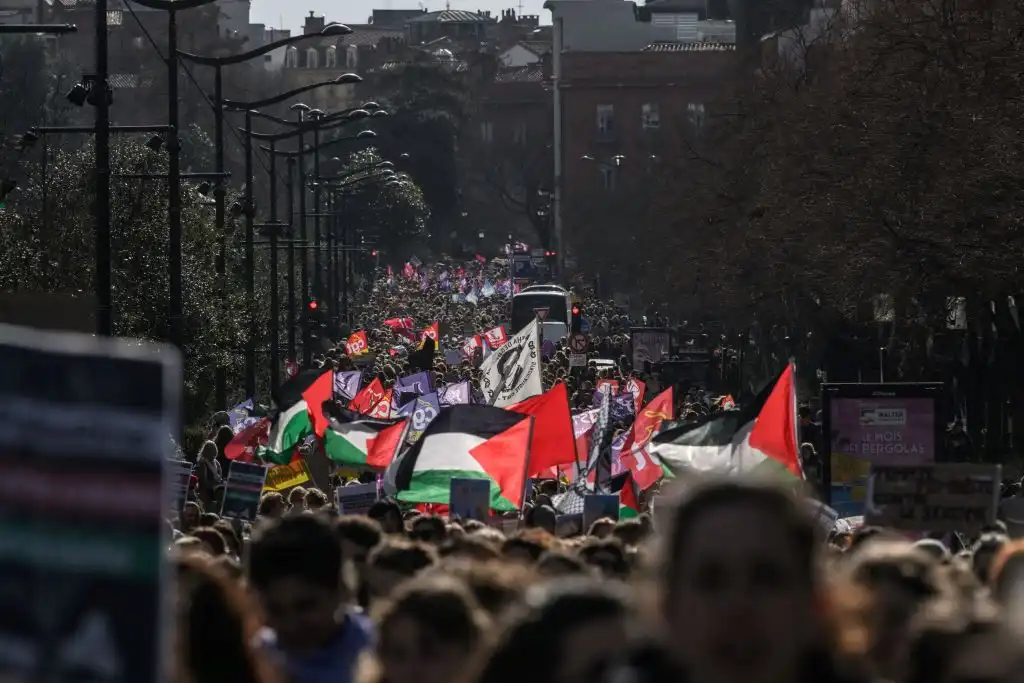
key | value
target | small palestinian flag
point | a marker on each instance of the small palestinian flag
(364, 442)
(468, 442)
(299, 403)
(760, 437)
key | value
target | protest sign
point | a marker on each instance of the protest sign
(83, 469)
(284, 477)
(355, 499)
(597, 506)
(470, 499)
(180, 476)
(242, 490)
(940, 497)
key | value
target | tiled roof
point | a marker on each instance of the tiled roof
(456, 65)
(532, 73)
(368, 35)
(454, 16)
(690, 47)
(537, 47)
(126, 81)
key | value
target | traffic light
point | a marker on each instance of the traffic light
(577, 319)
(550, 254)
(313, 305)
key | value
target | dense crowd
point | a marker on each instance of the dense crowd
(725, 582)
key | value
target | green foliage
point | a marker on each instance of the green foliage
(430, 105)
(392, 213)
(47, 244)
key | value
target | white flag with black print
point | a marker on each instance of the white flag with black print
(511, 374)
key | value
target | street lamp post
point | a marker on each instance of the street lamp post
(290, 193)
(218, 64)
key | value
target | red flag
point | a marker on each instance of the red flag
(553, 442)
(637, 388)
(382, 409)
(642, 469)
(381, 449)
(496, 337)
(649, 419)
(243, 446)
(502, 458)
(322, 389)
(775, 431)
(368, 397)
(357, 344)
(628, 505)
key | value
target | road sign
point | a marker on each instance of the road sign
(541, 313)
(578, 343)
(577, 360)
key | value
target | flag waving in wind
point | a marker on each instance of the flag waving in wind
(760, 434)
(512, 373)
(299, 402)
(468, 442)
(363, 442)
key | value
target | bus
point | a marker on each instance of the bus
(550, 303)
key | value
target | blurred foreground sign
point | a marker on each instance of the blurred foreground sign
(85, 436)
(941, 497)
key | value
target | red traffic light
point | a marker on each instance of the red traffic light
(575, 310)
(549, 253)
(313, 305)
(373, 253)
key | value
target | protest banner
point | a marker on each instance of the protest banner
(939, 497)
(355, 499)
(84, 455)
(242, 490)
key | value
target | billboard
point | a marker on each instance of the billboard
(876, 424)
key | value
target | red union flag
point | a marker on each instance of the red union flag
(496, 337)
(357, 344)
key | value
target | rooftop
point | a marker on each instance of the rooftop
(453, 16)
(532, 73)
(370, 34)
(690, 47)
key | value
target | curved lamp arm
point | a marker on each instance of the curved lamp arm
(372, 108)
(329, 30)
(344, 79)
(361, 135)
(311, 125)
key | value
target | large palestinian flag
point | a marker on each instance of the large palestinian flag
(761, 436)
(363, 442)
(299, 403)
(468, 442)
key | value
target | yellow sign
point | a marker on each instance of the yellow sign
(288, 476)
(853, 472)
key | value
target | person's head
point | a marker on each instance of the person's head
(214, 627)
(527, 546)
(984, 552)
(557, 563)
(388, 515)
(394, 561)
(428, 630)
(738, 583)
(1007, 571)
(429, 529)
(631, 532)
(805, 415)
(469, 548)
(234, 543)
(602, 528)
(222, 437)
(358, 535)
(543, 517)
(295, 568)
(606, 556)
(574, 626)
(191, 515)
(297, 498)
(272, 505)
(212, 539)
(316, 500)
(208, 451)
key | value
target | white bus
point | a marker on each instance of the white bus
(550, 303)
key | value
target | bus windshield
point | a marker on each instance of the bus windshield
(526, 306)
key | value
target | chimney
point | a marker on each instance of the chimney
(314, 24)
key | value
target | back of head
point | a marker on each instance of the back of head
(301, 546)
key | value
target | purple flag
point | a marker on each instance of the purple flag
(547, 349)
(427, 408)
(240, 418)
(453, 394)
(348, 384)
(414, 384)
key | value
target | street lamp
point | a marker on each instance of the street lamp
(218, 64)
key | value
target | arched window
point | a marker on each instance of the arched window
(332, 57)
(352, 58)
(312, 58)
(291, 58)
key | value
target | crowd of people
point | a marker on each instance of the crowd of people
(724, 582)
(716, 581)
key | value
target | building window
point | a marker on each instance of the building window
(519, 133)
(696, 115)
(609, 177)
(312, 58)
(606, 121)
(331, 61)
(650, 117)
(352, 58)
(291, 58)
(486, 132)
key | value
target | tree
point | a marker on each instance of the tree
(428, 101)
(48, 246)
(391, 214)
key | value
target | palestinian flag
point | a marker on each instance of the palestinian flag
(364, 442)
(299, 403)
(468, 442)
(629, 507)
(761, 436)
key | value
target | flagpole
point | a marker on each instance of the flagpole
(526, 464)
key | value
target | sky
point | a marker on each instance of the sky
(274, 13)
